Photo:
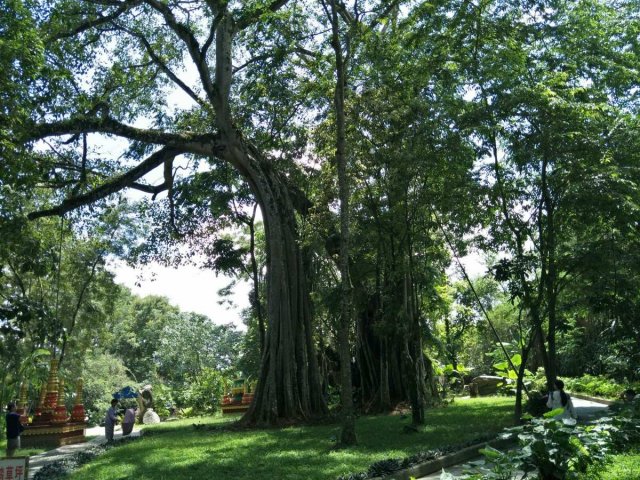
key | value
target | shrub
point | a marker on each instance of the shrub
(536, 405)
(103, 375)
(205, 391)
(560, 451)
(597, 386)
(555, 450)
(627, 422)
(162, 399)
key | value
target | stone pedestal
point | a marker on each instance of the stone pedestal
(50, 435)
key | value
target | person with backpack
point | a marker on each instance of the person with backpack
(560, 399)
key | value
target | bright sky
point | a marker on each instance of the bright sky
(189, 288)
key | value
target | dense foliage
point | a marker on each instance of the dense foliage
(345, 157)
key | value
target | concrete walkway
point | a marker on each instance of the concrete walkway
(586, 410)
(36, 462)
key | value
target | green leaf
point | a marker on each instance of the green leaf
(501, 365)
(491, 453)
(553, 413)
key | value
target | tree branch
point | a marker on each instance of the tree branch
(163, 66)
(115, 185)
(101, 20)
(346, 16)
(150, 189)
(212, 35)
(247, 19)
(257, 58)
(187, 36)
(92, 124)
(388, 9)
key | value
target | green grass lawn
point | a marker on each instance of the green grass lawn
(623, 467)
(22, 452)
(178, 451)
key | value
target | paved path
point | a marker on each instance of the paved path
(585, 409)
(36, 462)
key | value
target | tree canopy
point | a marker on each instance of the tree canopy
(379, 141)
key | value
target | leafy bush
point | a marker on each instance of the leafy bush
(627, 421)
(504, 369)
(205, 391)
(539, 381)
(188, 412)
(559, 451)
(162, 399)
(536, 404)
(598, 386)
(103, 375)
(451, 379)
(555, 450)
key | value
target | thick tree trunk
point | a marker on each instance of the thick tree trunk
(289, 384)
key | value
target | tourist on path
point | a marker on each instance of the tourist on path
(14, 429)
(128, 421)
(110, 421)
(560, 399)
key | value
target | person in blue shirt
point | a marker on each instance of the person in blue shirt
(14, 429)
(110, 421)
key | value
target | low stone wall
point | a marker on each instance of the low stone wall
(446, 461)
(582, 396)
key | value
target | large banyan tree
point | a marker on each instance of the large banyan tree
(104, 116)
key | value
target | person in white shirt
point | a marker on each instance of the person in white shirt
(560, 399)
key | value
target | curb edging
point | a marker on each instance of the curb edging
(445, 461)
(582, 396)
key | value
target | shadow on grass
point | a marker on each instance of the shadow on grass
(182, 452)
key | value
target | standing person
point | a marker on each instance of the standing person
(128, 421)
(110, 421)
(560, 399)
(14, 429)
